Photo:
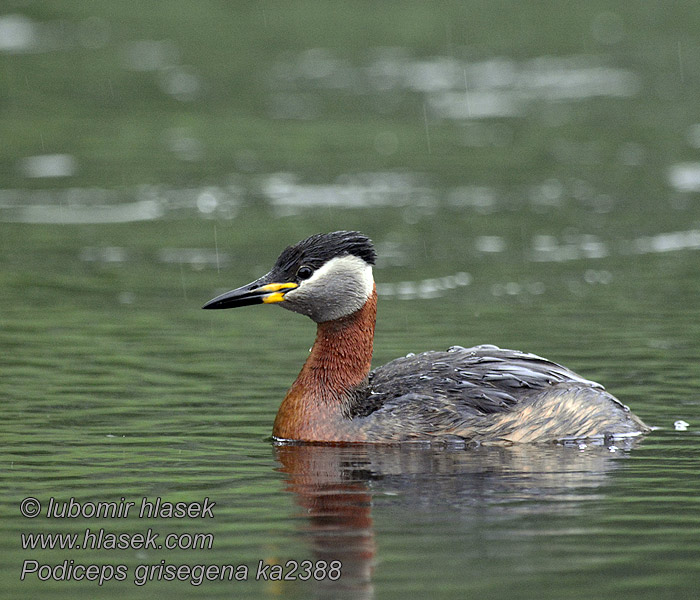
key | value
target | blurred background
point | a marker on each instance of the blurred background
(548, 149)
(530, 174)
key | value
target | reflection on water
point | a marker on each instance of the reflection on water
(337, 486)
(331, 486)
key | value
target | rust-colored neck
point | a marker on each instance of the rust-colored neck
(340, 360)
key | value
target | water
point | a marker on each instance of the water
(529, 180)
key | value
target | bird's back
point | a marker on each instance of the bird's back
(486, 394)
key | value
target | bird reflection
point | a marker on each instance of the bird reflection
(336, 486)
(331, 485)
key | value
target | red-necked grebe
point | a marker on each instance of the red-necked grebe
(482, 394)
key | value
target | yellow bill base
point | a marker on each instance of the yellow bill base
(275, 294)
(276, 287)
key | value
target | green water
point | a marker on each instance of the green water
(531, 178)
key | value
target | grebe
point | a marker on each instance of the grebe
(473, 395)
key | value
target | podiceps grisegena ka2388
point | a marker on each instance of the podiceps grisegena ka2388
(483, 394)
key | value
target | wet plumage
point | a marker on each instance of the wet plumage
(486, 393)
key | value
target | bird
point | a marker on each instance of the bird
(481, 395)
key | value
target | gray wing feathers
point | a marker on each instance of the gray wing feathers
(466, 381)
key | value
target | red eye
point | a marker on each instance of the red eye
(305, 272)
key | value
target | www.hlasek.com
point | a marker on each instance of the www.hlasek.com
(101, 539)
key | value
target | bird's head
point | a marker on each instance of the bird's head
(326, 276)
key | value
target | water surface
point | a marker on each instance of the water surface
(530, 180)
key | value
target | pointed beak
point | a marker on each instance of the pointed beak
(253, 293)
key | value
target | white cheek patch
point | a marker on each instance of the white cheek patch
(336, 289)
(348, 268)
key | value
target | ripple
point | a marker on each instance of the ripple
(454, 89)
(48, 165)
(685, 177)
(424, 289)
(100, 205)
(361, 190)
(145, 210)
